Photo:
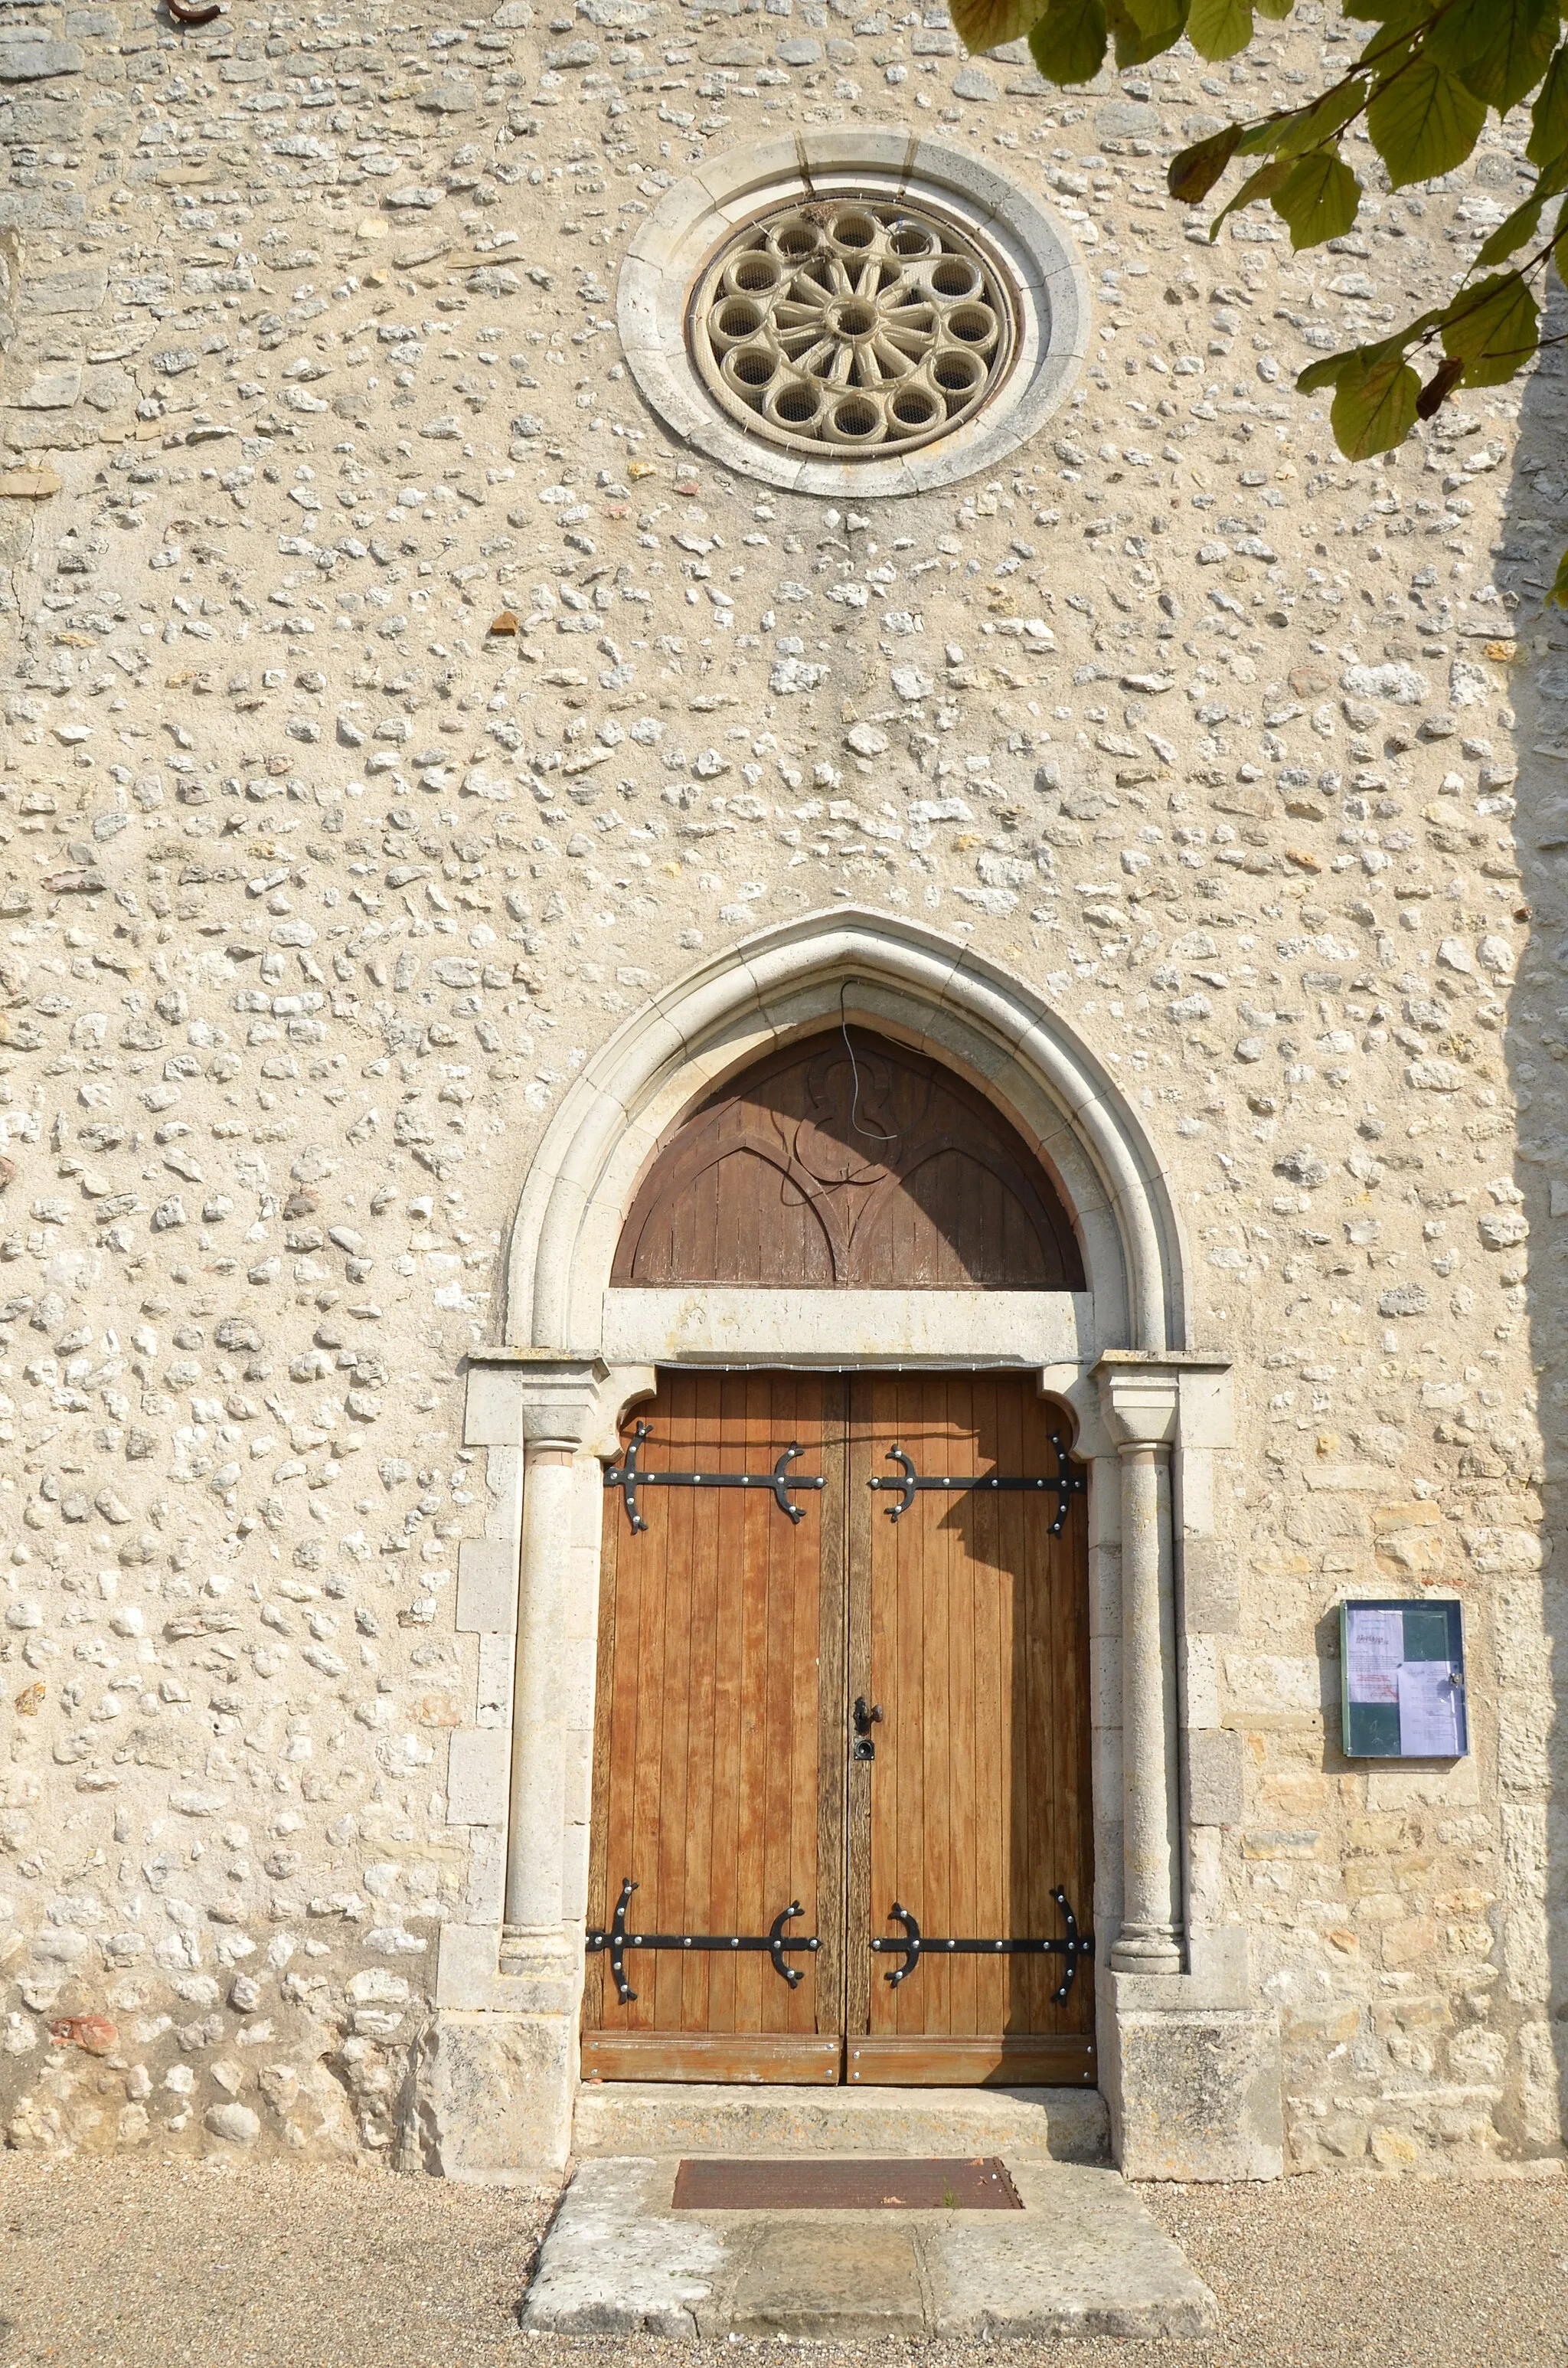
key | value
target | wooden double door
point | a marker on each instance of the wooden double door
(826, 1734)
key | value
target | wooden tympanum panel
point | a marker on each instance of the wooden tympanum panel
(849, 1163)
(720, 1659)
(732, 1646)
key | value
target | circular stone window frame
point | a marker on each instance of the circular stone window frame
(701, 215)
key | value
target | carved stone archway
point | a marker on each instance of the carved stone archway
(1187, 2064)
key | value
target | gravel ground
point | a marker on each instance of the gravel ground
(149, 2265)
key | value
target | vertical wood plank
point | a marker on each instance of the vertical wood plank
(602, 1891)
(866, 1674)
(831, 1693)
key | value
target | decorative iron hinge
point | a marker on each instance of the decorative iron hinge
(1062, 1484)
(618, 1940)
(916, 1944)
(627, 1476)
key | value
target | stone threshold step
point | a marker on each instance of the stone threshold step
(659, 2117)
(1082, 2258)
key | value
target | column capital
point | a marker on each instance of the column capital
(1140, 1390)
(547, 1400)
(1139, 1398)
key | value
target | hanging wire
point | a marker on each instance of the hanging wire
(872, 1133)
(817, 1191)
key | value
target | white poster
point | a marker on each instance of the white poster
(1428, 1711)
(1375, 1649)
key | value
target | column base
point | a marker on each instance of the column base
(1192, 2077)
(493, 2098)
(1146, 1948)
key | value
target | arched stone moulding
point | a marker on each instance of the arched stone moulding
(915, 984)
(1188, 2065)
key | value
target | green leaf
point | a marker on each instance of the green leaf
(1260, 138)
(1195, 170)
(1068, 43)
(1374, 402)
(1521, 225)
(1328, 373)
(1557, 596)
(1261, 184)
(1142, 28)
(1548, 116)
(1278, 9)
(1319, 199)
(1314, 124)
(986, 24)
(1424, 124)
(1498, 48)
(1334, 366)
(1401, 21)
(1493, 328)
(1219, 28)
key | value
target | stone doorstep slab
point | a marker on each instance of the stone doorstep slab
(671, 2117)
(1083, 2258)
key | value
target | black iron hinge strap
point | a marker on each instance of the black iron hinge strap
(1064, 1484)
(627, 1476)
(617, 1940)
(913, 1944)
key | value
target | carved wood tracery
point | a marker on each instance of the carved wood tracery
(848, 1166)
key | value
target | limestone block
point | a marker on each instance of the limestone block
(487, 1585)
(1211, 1587)
(492, 1414)
(467, 1965)
(492, 2101)
(1215, 1795)
(67, 292)
(478, 1769)
(1276, 1690)
(34, 57)
(1542, 2084)
(50, 390)
(1195, 2095)
(1201, 1682)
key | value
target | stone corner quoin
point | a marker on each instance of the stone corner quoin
(316, 893)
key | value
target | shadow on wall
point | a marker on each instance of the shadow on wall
(1515, 1539)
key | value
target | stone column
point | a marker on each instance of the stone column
(557, 1403)
(1139, 1398)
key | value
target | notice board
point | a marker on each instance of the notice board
(1402, 1674)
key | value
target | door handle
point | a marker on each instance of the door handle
(867, 1715)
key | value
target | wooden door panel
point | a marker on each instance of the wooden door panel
(989, 2060)
(733, 1644)
(711, 1788)
(780, 2057)
(979, 1796)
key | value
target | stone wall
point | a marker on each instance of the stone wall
(317, 888)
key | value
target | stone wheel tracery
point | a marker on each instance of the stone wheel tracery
(852, 325)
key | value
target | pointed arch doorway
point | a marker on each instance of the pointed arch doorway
(841, 1823)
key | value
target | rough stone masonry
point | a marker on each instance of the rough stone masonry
(316, 890)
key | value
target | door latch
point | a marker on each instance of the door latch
(867, 1715)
